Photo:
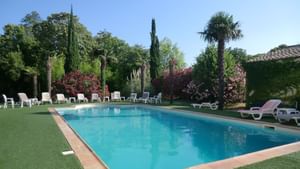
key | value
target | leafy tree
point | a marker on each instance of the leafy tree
(109, 49)
(205, 75)
(12, 66)
(240, 55)
(52, 35)
(91, 66)
(30, 20)
(19, 51)
(136, 58)
(72, 57)
(169, 50)
(221, 29)
(154, 52)
(58, 70)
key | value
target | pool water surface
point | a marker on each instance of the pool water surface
(138, 137)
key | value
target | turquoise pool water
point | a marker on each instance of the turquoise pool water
(137, 137)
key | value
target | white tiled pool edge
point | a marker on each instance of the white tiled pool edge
(229, 163)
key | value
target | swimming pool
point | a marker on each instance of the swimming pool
(141, 137)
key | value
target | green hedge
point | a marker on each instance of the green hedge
(273, 79)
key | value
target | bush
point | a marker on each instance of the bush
(133, 83)
(234, 90)
(181, 80)
(204, 86)
(76, 82)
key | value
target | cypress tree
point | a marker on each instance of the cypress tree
(72, 57)
(154, 52)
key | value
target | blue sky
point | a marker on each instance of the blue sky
(265, 23)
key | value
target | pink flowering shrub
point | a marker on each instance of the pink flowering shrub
(234, 90)
(76, 82)
(180, 81)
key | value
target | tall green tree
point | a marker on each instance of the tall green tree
(154, 52)
(72, 57)
(30, 20)
(169, 50)
(221, 28)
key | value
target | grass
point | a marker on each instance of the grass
(290, 161)
(29, 138)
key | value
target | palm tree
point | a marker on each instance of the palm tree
(49, 74)
(172, 64)
(221, 29)
(103, 58)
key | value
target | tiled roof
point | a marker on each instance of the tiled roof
(288, 52)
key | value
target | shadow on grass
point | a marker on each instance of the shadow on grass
(40, 113)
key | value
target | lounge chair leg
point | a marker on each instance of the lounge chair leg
(258, 117)
(244, 115)
(297, 122)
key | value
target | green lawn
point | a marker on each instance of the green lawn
(291, 161)
(29, 138)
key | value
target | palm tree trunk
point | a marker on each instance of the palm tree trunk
(35, 86)
(142, 78)
(49, 74)
(102, 74)
(172, 80)
(221, 47)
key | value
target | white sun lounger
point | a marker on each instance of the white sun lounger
(212, 106)
(60, 98)
(46, 97)
(297, 120)
(116, 96)
(144, 98)
(269, 108)
(132, 97)
(24, 99)
(156, 99)
(81, 97)
(8, 101)
(95, 97)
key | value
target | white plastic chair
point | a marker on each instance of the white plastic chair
(8, 101)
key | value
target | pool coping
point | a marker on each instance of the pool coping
(229, 163)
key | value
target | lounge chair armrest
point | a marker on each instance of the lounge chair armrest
(254, 108)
